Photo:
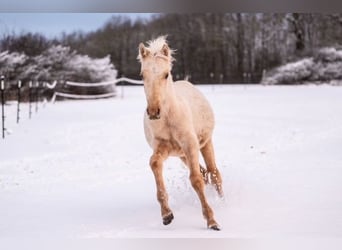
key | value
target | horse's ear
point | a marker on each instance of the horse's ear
(143, 51)
(165, 50)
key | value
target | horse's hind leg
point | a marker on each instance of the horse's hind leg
(209, 158)
(156, 163)
(203, 171)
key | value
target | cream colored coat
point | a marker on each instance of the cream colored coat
(185, 112)
(178, 122)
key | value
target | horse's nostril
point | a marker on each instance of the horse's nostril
(153, 114)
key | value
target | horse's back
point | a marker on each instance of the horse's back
(202, 114)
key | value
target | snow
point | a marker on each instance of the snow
(79, 169)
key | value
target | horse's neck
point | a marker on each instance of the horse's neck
(170, 98)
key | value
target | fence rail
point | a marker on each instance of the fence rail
(91, 85)
(82, 96)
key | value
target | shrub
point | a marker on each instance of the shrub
(324, 66)
(12, 64)
(57, 62)
(291, 73)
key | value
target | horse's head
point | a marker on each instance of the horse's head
(156, 63)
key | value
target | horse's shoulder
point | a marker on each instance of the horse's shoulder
(187, 90)
(184, 87)
(183, 83)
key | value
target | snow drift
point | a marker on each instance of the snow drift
(79, 170)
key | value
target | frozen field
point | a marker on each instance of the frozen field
(79, 169)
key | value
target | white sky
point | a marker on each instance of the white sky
(53, 24)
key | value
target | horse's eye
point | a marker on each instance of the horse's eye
(166, 75)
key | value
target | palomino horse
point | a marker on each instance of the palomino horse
(178, 122)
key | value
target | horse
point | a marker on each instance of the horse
(178, 121)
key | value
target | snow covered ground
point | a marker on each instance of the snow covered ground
(79, 169)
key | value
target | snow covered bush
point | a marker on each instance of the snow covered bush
(291, 73)
(60, 62)
(84, 68)
(324, 66)
(326, 72)
(51, 64)
(57, 62)
(12, 64)
(327, 55)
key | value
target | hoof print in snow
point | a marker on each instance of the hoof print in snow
(167, 219)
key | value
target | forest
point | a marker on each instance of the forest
(209, 47)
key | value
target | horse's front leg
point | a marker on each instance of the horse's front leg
(156, 163)
(191, 150)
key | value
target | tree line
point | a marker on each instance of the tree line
(210, 47)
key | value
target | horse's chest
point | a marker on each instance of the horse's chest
(174, 147)
(164, 134)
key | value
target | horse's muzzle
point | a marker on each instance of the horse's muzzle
(153, 114)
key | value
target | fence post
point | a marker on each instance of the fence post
(122, 91)
(2, 88)
(122, 88)
(18, 107)
(37, 95)
(30, 99)
(44, 93)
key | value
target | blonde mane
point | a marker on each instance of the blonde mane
(155, 47)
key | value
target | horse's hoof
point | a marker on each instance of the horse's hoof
(215, 228)
(167, 219)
